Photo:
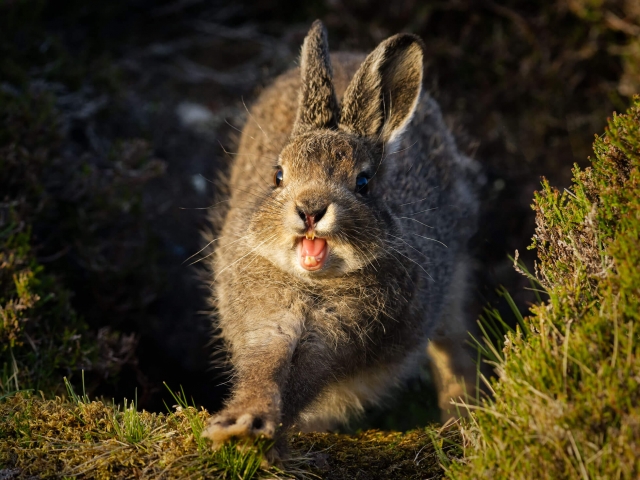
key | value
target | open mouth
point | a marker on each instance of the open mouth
(312, 252)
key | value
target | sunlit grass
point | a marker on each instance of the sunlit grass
(566, 400)
(128, 424)
(81, 437)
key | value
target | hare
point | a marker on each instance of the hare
(342, 254)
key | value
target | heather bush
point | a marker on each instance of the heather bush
(566, 401)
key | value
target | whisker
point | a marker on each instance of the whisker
(353, 244)
(423, 211)
(411, 247)
(250, 159)
(238, 154)
(236, 128)
(413, 219)
(404, 149)
(399, 262)
(417, 201)
(253, 118)
(219, 249)
(245, 255)
(413, 261)
(260, 197)
(205, 208)
(428, 238)
(263, 196)
(188, 258)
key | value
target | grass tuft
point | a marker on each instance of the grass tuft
(71, 393)
(189, 410)
(128, 424)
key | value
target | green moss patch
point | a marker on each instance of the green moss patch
(379, 455)
(85, 439)
(57, 438)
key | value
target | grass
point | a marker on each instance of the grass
(567, 396)
(383, 455)
(235, 462)
(91, 439)
(82, 438)
(128, 424)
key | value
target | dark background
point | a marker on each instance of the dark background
(150, 94)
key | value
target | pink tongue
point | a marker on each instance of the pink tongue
(312, 248)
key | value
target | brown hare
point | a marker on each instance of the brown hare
(342, 255)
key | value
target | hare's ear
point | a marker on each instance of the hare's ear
(384, 92)
(318, 106)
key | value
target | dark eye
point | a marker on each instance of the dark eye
(277, 177)
(362, 182)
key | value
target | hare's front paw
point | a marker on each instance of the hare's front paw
(239, 425)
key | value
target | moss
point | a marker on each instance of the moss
(50, 438)
(567, 400)
(84, 439)
(40, 334)
(379, 455)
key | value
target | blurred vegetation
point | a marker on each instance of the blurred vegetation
(70, 222)
(567, 396)
(40, 333)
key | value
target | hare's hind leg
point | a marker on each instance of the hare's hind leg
(348, 398)
(453, 366)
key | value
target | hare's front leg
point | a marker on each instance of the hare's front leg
(261, 352)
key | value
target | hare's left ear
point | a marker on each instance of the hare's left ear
(384, 92)
(318, 106)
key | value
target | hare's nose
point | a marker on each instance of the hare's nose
(311, 218)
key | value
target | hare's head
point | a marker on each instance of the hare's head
(326, 216)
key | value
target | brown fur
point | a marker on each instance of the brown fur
(310, 348)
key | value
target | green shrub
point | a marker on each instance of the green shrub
(567, 397)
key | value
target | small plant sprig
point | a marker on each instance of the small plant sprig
(71, 393)
(196, 422)
(128, 425)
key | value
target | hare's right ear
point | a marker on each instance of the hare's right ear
(384, 92)
(318, 106)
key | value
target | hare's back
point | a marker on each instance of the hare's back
(430, 185)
